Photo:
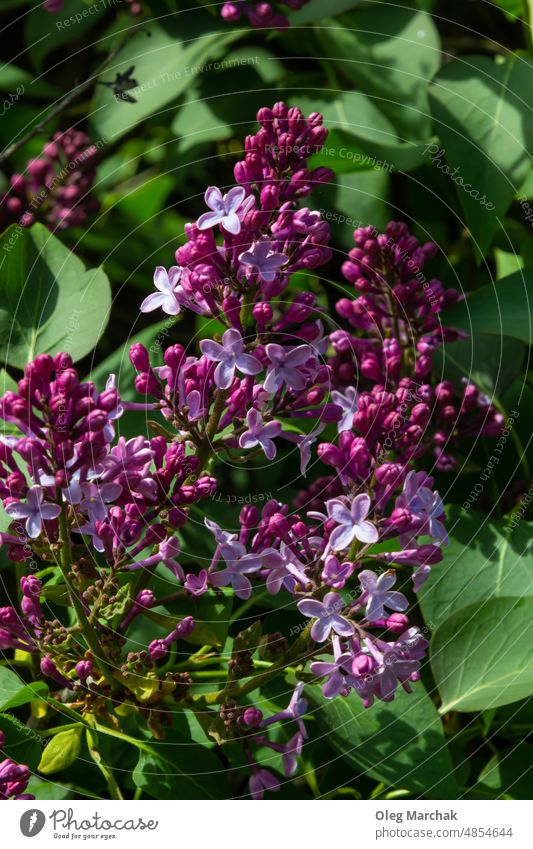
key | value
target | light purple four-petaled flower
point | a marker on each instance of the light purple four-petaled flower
(238, 564)
(229, 355)
(224, 209)
(351, 521)
(263, 259)
(327, 617)
(347, 401)
(377, 594)
(33, 510)
(286, 367)
(259, 433)
(169, 296)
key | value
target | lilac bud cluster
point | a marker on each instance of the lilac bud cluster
(56, 186)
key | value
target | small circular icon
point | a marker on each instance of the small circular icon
(32, 822)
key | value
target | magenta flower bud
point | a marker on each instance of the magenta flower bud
(249, 517)
(158, 649)
(174, 356)
(278, 525)
(84, 668)
(205, 486)
(363, 664)
(139, 357)
(231, 13)
(30, 586)
(262, 313)
(330, 454)
(401, 518)
(397, 623)
(330, 413)
(177, 517)
(49, 669)
(252, 717)
(185, 627)
(444, 393)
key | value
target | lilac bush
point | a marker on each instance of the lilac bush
(103, 516)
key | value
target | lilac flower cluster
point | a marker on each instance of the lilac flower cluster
(103, 517)
(56, 186)
(13, 777)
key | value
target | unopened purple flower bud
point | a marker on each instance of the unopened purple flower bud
(397, 623)
(252, 717)
(139, 357)
(84, 668)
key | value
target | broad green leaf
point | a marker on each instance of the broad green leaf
(142, 198)
(354, 200)
(399, 742)
(483, 560)
(481, 655)
(196, 123)
(46, 32)
(14, 692)
(315, 10)
(508, 774)
(503, 308)
(165, 64)
(390, 55)
(361, 136)
(181, 770)
(483, 111)
(21, 743)
(49, 301)
(18, 82)
(491, 363)
(61, 751)
(507, 263)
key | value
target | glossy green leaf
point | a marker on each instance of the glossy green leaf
(399, 742)
(484, 559)
(481, 654)
(61, 751)
(181, 770)
(508, 774)
(504, 308)
(390, 53)
(21, 743)
(49, 301)
(14, 692)
(165, 64)
(483, 112)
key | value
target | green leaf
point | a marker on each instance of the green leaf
(61, 751)
(46, 32)
(483, 112)
(507, 774)
(502, 309)
(491, 363)
(21, 743)
(164, 66)
(49, 301)
(481, 655)
(182, 770)
(391, 57)
(399, 742)
(315, 10)
(14, 692)
(483, 560)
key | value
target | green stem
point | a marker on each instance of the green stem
(89, 633)
(206, 447)
(298, 651)
(107, 772)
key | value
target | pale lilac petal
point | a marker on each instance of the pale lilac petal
(396, 601)
(153, 302)
(360, 507)
(311, 607)
(248, 441)
(366, 532)
(320, 668)
(209, 219)
(232, 223)
(320, 630)
(161, 280)
(333, 687)
(234, 198)
(268, 447)
(248, 364)
(224, 374)
(341, 537)
(50, 511)
(242, 586)
(18, 510)
(33, 525)
(338, 511)
(342, 626)
(212, 350)
(213, 198)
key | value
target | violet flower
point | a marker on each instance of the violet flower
(261, 780)
(286, 367)
(351, 522)
(347, 401)
(327, 617)
(223, 208)
(339, 672)
(263, 259)
(35, 511)
(238, 565)
(229, 355)
(168, 295)
(260, 434)
(196, 584)
(377, 595)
